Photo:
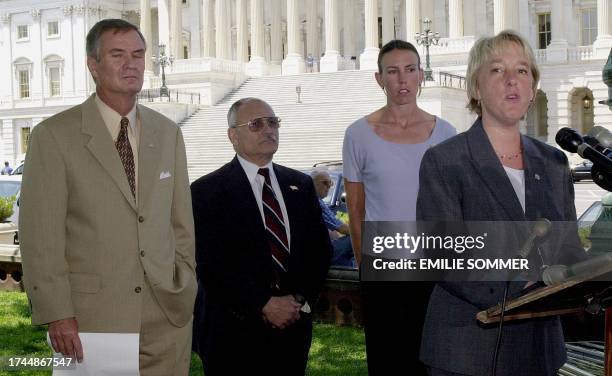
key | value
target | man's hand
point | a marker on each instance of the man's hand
(281, 311)
(64, 335)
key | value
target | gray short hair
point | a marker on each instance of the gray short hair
(92, 46)
(319, 172)
(233, 110)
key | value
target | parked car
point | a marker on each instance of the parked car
(336, 198)
(582, 171)
(18, 170)
(595, 226)
(10, 186)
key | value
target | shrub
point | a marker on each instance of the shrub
(6, 207)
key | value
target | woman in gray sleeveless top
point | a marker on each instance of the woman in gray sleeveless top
(381, 155)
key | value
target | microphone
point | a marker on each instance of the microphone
(561, 273)
(538, 233)
(572, 141)
(602, 135)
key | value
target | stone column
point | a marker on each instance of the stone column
(222, 27)
(603, 43)
(556, 52)
(368, 59)
(163, 21)
(242, 37)
(312, 32)
(276, 37)
(294, 62)
(257, 66)
(349, 29)
(413, 19)
(455, 18)
(208, 47)
(176, 27)
(145, 29)
(388, 21)
(332, 60)
(505, 15)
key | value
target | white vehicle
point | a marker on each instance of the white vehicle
(10, 186)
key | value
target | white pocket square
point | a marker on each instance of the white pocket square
(164, 175)
(293, 188)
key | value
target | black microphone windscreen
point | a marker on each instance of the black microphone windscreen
(568, 139)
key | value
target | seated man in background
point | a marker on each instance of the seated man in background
(338, 231)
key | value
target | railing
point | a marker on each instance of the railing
(580, 53)
(451, 46)
(540, 56)
(154, 95)
(451, 80)
(205, 64)
(574, 54)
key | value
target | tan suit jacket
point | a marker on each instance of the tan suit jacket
(88, 249)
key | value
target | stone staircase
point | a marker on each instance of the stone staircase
(311, 131)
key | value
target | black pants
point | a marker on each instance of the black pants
(261, 350)
(394, 313)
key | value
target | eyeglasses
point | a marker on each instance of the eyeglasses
(329, 183)
(256, 125)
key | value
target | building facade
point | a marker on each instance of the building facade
(217, 44)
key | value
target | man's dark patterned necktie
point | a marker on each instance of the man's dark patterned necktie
(125, 153)
(275, 226)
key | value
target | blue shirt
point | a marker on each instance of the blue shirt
(331, 222)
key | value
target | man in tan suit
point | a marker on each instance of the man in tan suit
(106, 223)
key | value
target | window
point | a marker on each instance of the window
(589, 26)
(53, 28)
(54, 81)
(185, 52)
(24, 83)
(25, 139)
(22, 32)
(543, 30)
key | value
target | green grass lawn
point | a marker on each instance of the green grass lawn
(335, 350)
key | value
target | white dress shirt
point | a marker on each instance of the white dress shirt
(257, 183)
(517, 179)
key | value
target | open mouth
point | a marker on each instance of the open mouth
(404, 91)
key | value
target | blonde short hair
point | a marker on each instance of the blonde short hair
(483, 50)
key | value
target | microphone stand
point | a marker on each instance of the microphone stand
(538, 234)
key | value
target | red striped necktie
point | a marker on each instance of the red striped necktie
(276, 232)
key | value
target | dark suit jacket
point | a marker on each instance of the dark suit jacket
(234, 265)
(462, 179)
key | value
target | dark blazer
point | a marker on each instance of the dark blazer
(234, 266)
(462, 179)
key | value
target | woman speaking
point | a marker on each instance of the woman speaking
(493, 173)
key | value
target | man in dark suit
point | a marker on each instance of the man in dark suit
(262, 254)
